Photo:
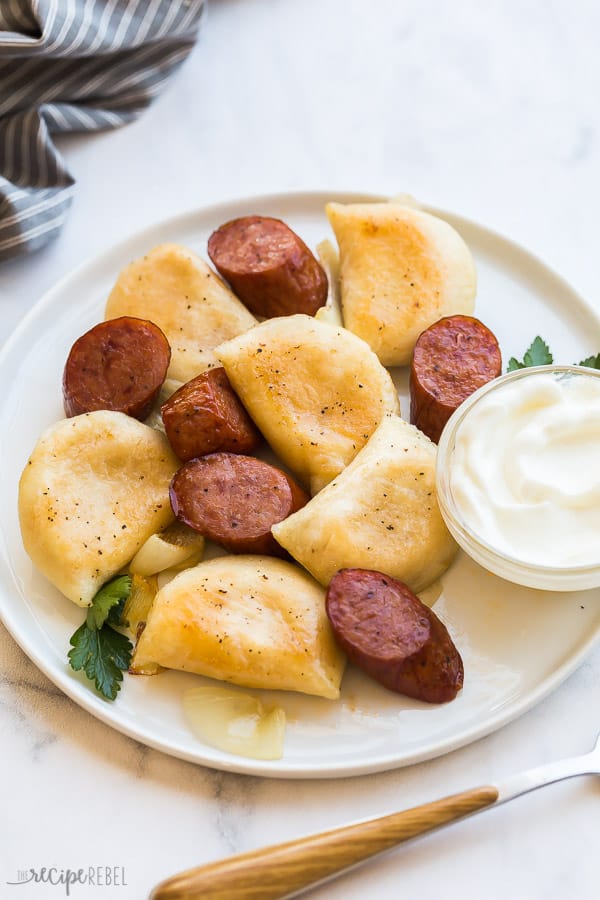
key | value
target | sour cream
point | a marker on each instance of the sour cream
(521, 473)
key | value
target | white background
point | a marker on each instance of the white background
(488, 109)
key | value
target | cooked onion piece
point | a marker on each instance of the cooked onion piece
(405, 200)
(168, 549)
(330, 262)
(154, 420)
(138, 604)
(235, 722)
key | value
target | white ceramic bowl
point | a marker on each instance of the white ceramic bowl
(466, 533)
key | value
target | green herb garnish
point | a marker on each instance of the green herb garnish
(538, 354)
(103, 653)
(592, 362)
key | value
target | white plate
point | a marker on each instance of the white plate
(517, 644)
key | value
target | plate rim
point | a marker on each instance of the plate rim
(87, 700)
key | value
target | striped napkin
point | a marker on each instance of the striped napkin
(74, 65)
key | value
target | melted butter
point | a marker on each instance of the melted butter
(526, 469)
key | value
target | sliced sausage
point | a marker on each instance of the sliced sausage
(393, 637)
(268, 266)
(119, 365)
(234, 500)
(205, 416)
(451, 359)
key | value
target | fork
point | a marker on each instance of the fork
(289, 869)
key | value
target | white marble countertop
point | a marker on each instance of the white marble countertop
(484, 109)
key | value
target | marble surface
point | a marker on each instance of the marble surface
(485, 109)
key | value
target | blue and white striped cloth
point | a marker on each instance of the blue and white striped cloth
(74, 65)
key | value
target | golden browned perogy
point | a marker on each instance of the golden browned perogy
(380, 513)
(94, 489)
(401, 269)
(254, 621)
(178, 291)
(316, 391)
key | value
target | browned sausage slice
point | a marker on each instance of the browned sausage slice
(119, 365)
(393, 637)
(234, 500)
(268, 266)
(451, 359)
(205, 415)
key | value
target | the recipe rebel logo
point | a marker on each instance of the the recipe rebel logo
(92, 876)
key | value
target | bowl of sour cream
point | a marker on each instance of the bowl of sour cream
(518, 477)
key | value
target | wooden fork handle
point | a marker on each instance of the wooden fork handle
(284, 869)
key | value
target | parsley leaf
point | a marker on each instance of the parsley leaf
(103, 654)
(592, 362)
(106, 603)
(537, 354)
(97, 648)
